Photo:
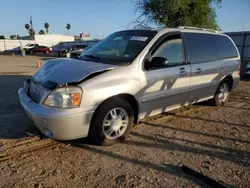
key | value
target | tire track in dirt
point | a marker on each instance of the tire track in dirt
(26, 147)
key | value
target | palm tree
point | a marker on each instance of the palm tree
(32, 32)
(41, 32)
(27, 27)
(68, 26)
(46, 25)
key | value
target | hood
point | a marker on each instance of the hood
(62, 71)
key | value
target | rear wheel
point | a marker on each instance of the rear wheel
(112, 122)
(222, 94)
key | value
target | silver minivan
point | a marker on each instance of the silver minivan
(130, 75)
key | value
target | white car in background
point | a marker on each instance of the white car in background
(28, 47)
(248, 69)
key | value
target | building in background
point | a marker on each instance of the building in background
(50, 40)
(85, 36)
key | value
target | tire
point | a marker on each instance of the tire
(67, 55)
(107, 133)
(220, 96)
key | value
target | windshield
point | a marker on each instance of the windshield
(119, 48)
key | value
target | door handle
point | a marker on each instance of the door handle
(198, 71)
(183, 73)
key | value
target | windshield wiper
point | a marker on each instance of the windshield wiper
(93, 57)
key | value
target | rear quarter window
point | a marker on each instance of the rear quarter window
(208, 47)
(225, 48)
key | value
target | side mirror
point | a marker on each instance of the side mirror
(158, 62)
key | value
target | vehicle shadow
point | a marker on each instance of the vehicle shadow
(208, 120)
(164, 168)
(245, 78)
(165, 143)
(170, 144)
(14, 123)
(46, 58)
(197, 132)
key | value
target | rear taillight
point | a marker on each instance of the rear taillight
(239, 70)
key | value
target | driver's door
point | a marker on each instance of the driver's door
(166, 88)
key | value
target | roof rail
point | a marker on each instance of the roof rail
(199, 28)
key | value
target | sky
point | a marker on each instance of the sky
(98, 17)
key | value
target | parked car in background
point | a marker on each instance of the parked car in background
(248, 69)
(41, 49)
(67, 52)
(128, 76)
(28, 47)
(77, 53)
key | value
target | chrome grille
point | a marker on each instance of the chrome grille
(37, 92)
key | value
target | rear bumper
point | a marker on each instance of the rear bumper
(235, 82)
(59, 124)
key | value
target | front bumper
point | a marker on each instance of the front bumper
(59, 124)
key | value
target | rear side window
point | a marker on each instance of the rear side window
(225, 48)
(200, 47)
(208, 47)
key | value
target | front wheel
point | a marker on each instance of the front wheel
(112, 122)
(222, 94)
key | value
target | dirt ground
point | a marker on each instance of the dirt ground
(214, 141)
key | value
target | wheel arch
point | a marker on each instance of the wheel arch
(230, 80)
(129, 98)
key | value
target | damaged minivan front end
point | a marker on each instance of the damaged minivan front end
(52, 97)
(94, 95)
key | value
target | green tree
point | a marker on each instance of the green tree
(27, 27)
(68, 26)
(174, 13)
(32, 32)
(46, 25)
(41, 32)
